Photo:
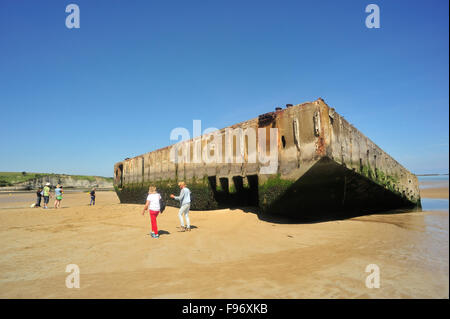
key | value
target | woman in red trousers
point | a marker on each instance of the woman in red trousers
(152, 205)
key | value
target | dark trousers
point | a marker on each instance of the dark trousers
(38, 201)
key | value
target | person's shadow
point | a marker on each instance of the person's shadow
(192, 227)
(163, 232)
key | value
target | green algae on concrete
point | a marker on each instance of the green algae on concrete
(136, 193)
(271, 190)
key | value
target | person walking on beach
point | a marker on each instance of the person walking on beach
(185, 204)
(38, 197)
(46, 194)
(92, 193)
(153, 206)
(58, 196)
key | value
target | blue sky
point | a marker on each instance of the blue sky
(78, 100)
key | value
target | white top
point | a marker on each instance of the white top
(154, 201)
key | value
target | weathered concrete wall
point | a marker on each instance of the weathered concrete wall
(312, 140)
(355, 151)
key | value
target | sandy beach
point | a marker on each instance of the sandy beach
(229, 253)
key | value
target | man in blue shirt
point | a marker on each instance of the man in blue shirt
(185, 204)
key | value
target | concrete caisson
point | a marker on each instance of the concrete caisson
(323, 165)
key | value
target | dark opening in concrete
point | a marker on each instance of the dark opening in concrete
(253, 190)
(119, 176)
(224, 184)
(238, 183)
(212, 183)
(241, 195)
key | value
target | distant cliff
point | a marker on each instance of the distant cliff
(10, 181)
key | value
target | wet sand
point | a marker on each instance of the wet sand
(228, 253)
(437, 188)
(434, 192)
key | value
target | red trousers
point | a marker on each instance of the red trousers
(153, 215)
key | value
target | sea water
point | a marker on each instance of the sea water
(434, 182)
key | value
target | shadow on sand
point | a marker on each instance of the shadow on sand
(316, 218)
(182, 231)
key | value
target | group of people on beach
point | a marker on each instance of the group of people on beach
(45, 192)
(155, 206)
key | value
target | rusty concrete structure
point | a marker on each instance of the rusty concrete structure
(324, 164)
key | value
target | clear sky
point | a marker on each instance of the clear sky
(77, 101)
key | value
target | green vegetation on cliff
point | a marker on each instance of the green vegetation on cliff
(13, 178)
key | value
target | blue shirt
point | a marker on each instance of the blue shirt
(185, 196)
(57, 191)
